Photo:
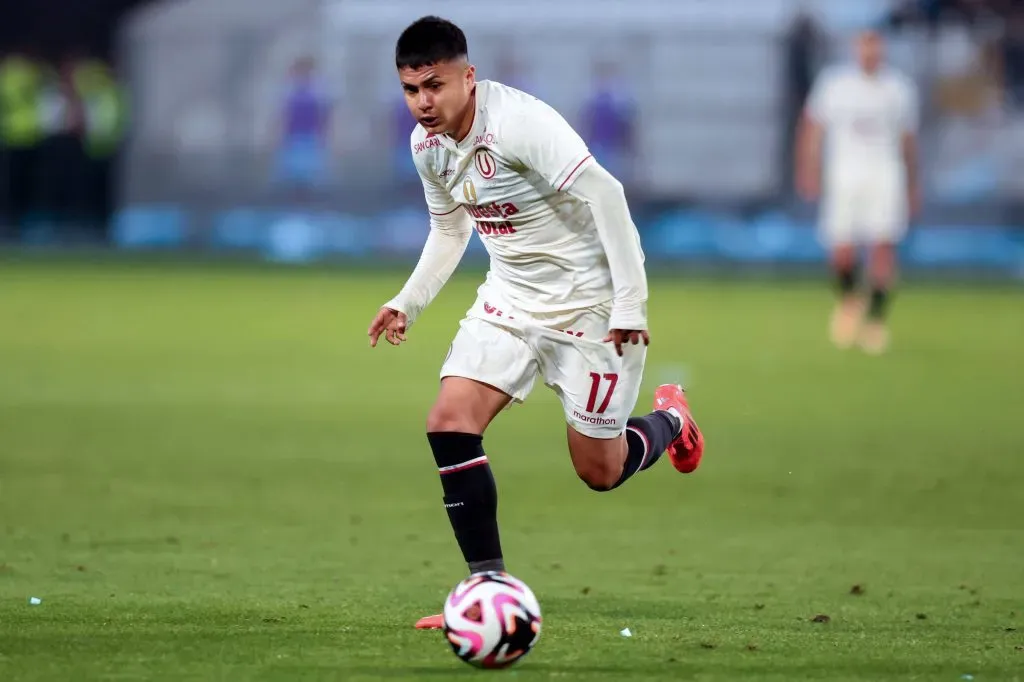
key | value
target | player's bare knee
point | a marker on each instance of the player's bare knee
(446, 416)
(883, 263)
(844, 257)
(600, 467)
(597, 461)
(465, 406)
(600, 474)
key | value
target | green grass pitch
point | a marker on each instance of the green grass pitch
(207, 474)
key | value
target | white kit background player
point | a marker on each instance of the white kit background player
(564, 300)
(860, 122)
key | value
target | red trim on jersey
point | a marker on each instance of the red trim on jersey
(573, 172)
(446, 212)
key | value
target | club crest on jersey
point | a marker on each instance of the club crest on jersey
(469, 191)
(485, 163)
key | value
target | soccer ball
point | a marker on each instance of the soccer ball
(491, 619)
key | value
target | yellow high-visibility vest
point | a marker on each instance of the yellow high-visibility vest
(20, 124)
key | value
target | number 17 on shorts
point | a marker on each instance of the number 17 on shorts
(601, 383)
(598, 401)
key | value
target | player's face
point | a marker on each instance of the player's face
(870, 51)
(439, 95)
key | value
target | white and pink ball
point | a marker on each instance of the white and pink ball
(491, 619)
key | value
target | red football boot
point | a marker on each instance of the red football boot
(430, 622)
(687, 449)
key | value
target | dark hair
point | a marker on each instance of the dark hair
(430, 40)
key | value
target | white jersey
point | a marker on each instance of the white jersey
(511, 173)
(865, 118)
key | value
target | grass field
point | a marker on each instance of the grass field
(206, 474)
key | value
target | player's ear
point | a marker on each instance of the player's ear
(470, 75)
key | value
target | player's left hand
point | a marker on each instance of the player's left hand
(621, 336)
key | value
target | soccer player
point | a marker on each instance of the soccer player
(565, 298)
(866, 114)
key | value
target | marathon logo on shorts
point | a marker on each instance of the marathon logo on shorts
(490, 218)
(593, 419)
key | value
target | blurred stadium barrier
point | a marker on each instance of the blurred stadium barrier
(690, 102)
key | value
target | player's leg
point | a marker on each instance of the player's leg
(598, 390)
(606, 462)
(885, 227)
(849, 308)
(487, 367)
(874, 337)
(455, 427)
(839, 213)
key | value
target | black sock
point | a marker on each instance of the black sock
(470, 497)
(847, 278)
(647, 438)
(879, 304)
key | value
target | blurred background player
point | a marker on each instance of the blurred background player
(865, 116)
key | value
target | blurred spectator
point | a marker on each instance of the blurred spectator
(63, 196)
(304, 142)
(969, 76)
(968, 97)
(21, 132)
(936, 13)
(1012, 46)
(608, 121)
(106, 120)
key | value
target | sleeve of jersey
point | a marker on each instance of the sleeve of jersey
(545, 142)
(450, 231)
(597, 188)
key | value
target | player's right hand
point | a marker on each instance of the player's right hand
(391, 323)
(620, 337)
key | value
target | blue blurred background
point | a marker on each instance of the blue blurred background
(278, 129)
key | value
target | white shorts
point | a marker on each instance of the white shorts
(504, 347)
(871, 211)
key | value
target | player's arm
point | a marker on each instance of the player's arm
(450, 230)
(810, 137)
(910, 162)
(544, 142)
(908, 143)
(603, 193)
